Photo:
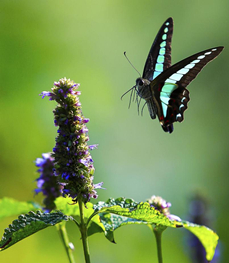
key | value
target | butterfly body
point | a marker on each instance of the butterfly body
(168, 108)
(163, 86)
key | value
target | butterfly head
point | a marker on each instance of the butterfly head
(143, 88)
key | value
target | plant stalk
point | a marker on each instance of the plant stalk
(158, 233)
(83, 230)
(64, 236)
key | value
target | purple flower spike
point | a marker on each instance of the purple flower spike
(73, 164)
(47, 182)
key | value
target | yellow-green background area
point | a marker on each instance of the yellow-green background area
(43, 41)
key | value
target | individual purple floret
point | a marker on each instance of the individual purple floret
(160, 204)
(47, 182)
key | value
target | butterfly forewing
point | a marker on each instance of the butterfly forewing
(171, 91)
(159, 58)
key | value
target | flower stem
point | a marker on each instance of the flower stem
(158, 233)
(64, 236)
(83, 230)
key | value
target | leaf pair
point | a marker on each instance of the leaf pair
(103, 217)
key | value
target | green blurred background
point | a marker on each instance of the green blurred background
(43, 41)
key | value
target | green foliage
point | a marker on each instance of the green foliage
(103, 217)
(139, 211)
(207, 237)
(11, 207)
(119, 212)
(111, 222)
(29, 224)
(66, 206)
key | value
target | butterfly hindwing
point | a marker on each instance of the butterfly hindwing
(159, 57)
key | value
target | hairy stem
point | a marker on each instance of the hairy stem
(158, 233)
(64, 236)
(83, 230)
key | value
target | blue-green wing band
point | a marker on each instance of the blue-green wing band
(159, 57)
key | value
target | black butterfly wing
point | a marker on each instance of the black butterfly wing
(159, 57)
(170, 92)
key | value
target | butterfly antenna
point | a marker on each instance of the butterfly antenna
(131, 63)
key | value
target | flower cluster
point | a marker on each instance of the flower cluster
(47, 182)
(160, 204)
(73, 164)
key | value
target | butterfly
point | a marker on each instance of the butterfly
(162, 86)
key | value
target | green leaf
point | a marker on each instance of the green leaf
(139, 211)
(68, 207)
(10, 207)
(118, 212)
(106, 222)
(95, 227)
(29, 224)
(111, 222)
(207, 237)
(122, 202)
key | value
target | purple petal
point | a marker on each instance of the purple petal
(98, 186)
(174, 218)
(40, 182)
(83, 161)
(46, 155)
(93, 146)
(57, 84)
(46, 93)
(39, 162)
(86, 120)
